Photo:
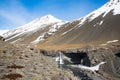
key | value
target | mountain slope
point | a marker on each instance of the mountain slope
(97, 28)
(35, 31)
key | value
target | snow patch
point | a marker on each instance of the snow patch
(40, 38)
(68, 31)
(103, 44)
(112, 41)
(94, 68)
(108, 42)
(94, 25)
(51, 31)
(57, 59)
(14, 36)
(100, 22)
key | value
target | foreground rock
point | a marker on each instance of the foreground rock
(27, 63)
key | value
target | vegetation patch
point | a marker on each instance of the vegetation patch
(15, 67)
(13, 76)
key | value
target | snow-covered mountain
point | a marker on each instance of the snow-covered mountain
(35, 31)
(111, 6)
(96, 28)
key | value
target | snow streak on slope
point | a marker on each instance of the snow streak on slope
(109, 42)
(51, 31)
(112, 5)
(94, 68)
(112, 41)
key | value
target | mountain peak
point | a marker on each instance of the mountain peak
(48, 19)
(48, 16)
(35, 25)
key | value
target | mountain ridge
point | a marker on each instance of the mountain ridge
(39, 25)
(96, 28)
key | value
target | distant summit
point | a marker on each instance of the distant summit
(48, 19)
(34, 31)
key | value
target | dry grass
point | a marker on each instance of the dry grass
(61, 47)
(15, 67)
(48, 46)
(66, 46)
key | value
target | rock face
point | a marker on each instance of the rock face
(109, 55)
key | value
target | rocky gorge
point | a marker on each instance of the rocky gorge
(91, 56)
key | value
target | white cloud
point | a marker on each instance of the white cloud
(13, 17)
(15, 13)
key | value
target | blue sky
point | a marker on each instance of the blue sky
(14, 13)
